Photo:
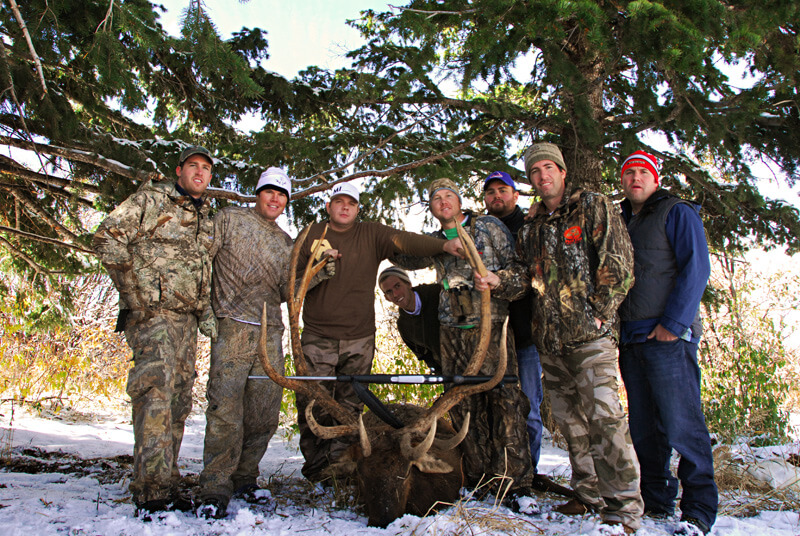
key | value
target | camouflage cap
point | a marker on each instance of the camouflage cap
(443, 184)
(193, 150)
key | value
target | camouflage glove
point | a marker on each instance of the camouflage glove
(330, 268)
(208, 325)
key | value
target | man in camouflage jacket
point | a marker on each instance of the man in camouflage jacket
(251, 268)
(156, 248)
(497, 442)
(577, 258)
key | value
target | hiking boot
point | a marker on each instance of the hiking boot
(181, 503)
(253, 494)
(148, 509)
(657, 513)
(689, 526)
(573, 507)
(212, 509)
(521, 501)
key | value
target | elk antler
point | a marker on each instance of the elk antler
(313, 390)
(456, 394)
(453, 442)
(415, 453)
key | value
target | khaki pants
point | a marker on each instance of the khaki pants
(242, 414)
(584, 398)
(330, 357)
(160, 386)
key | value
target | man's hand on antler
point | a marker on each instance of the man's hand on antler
(330, 266)
(454, 247)
(490, 281)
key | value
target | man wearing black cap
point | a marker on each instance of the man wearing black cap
(418, 307)
(156, 246)
(500, 196)
(251, 267)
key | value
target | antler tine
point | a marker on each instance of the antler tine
(310, 389)
(328, 432)
(474, 259)
(298, 294)
(456, 394)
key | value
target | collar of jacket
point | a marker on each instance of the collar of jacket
(574, 197)
(655, 197)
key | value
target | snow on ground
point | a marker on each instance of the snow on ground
(77, 503)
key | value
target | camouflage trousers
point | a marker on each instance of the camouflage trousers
(160, 386)
(497, 442)
(584, 398)
(242, 414)
(330, 357)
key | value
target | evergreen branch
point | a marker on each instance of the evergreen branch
(432, 14)
(85, 157)
(45, 239)
(397, 169)
(221, 193)
(37, 210)
(381, 143)
(109, 18)
(35, 56)
(9, 166)
(38, 268)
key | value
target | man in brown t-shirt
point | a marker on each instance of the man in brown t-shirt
(339, 315)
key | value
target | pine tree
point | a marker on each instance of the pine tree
(603, 78)
(98, 98)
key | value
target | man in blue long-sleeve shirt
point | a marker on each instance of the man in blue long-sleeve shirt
(658, 352)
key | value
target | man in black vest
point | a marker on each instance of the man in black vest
(658, 353)
(418, 322)
(500, 196)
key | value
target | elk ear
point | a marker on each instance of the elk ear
(429, 464)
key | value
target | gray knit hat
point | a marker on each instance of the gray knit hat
(399, 273)
(443, 184)
(543, 151)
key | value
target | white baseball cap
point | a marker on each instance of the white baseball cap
(275, 178)
(345, 188)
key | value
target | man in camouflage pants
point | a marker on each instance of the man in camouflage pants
(497, 442)
(156, 248)
(251, 266)
(578, 259)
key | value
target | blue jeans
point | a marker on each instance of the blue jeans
(530, 379)
(662, 380)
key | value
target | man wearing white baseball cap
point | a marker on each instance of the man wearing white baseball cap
(251, 266)
(339, 314)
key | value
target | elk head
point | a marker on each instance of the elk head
(406, 470)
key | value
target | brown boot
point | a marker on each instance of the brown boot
(573, 507)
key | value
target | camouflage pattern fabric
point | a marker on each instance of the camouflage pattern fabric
(330, 357)
(156, 247)
(584, 398)
(251, 265)
(160, 386)
(460, 305)
(497, 441)
(251, 268)
(578, 261)
(242, 414)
